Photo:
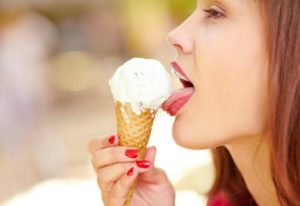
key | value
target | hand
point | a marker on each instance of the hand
(117, 169)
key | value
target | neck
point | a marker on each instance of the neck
(252, 157)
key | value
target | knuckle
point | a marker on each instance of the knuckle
(101, 179)
(105, 185)
(101, 185)
(114, 153)
(90, 146)
(125, 166)
(123, 182)
(119, 188)
(94, 162)
(115, 192)
(105, 157)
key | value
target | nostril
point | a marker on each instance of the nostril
(178, 47)
(174, 40)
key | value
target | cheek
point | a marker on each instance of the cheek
(230, 97)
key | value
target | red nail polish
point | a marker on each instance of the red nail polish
(130, 172)
(143, 164)
(112, 139)
(132, 153)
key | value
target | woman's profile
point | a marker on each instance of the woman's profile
(240, 60)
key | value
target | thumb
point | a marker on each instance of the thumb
(153, 175)
(150, 154)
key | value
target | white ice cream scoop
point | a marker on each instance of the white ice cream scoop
(143, 83)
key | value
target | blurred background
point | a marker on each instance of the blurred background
(56, 57)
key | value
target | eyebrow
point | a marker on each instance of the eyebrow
(199, 2)
(224, 2)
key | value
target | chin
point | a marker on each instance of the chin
(186, 137)
(198, 138)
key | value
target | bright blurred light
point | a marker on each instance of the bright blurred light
(76, 192)
(176, 161)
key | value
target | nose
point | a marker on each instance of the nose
(181, 38)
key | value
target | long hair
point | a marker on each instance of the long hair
(282, 20)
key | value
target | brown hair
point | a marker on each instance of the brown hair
(283, 32)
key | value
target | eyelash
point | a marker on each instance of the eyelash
(212, 13)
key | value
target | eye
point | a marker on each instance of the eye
(213, 13)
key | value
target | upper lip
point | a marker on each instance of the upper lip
(183, 77)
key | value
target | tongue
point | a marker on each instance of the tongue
(177, 100)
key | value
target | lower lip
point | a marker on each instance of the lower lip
(177, 100)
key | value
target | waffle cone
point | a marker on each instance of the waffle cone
(133, 131)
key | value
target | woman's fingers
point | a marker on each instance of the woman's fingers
(113, 172)
(150, 156)
(121, 188)
(98, 144)
(113, 155)
(153, 174)
(117, 195)
(150, 153)
(110, 174)
(117, 167)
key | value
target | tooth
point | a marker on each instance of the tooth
(174, 73)
(178, 75)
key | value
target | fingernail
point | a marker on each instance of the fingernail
(112, 139)
(143, 163)
(132, 153)
(130, 172)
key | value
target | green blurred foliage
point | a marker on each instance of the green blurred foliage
(181, 9)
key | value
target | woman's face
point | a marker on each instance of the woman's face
(223, 53)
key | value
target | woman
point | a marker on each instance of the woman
(242, 61)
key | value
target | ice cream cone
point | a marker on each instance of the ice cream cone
(139, 88)
(133, 131)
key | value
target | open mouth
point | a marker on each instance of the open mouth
(181, 96)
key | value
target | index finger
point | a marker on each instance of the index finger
(101, 143)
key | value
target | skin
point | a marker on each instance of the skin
(112, 165)
(225, 58)
(224, 55)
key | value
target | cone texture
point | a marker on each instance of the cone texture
(133, 131)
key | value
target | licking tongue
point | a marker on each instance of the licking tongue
(177, 100)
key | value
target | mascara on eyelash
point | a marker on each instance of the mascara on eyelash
(216, 14)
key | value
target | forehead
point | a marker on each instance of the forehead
(227, 1)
